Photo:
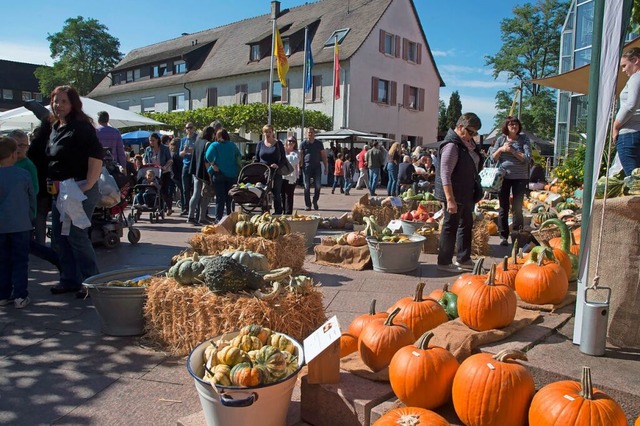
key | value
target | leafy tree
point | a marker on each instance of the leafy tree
(83, 52)
(442, 119)
(454, 110)
(530, 50)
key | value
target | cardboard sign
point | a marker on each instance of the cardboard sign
(321, 339)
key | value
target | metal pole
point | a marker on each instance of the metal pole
(270, 90)
(304, 81)
(333, 103)
(520, 103)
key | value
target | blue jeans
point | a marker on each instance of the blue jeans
(187, 187)
(348, 183)
(374, 175)
(77, 257)
(316, 174)
(456, 230)
(628, 146)
(14, 264)
(392, 184)
(338, 182)
(222, 184)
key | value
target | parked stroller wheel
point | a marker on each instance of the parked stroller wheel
(111, 240)
(133, 236)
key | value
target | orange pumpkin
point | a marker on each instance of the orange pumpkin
(493, 390)
(356, 239)
(360, 321)
(506, 272)
(418, 313)
(575, 403)
(439, 292)
(492, 228)
(575, 245)
(577, 233)
(348, 344)
(566, 258)
(380, 340)
(488, 305)
(517, 256)
(542, 280)
(422, 376)
(465, 279)
(561, 257)
(411, 416)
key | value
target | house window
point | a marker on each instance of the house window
(413, 98)
(123, 105)
(136, 74)
(38, 97)
(176, 102)
(179, 67)
(242, 94)
(412, 52)
(315, 94)
(129, 76)
(7, 94)
(276, 92)
(383, 91)
(286, 45)
(389, 44)
(340, 34)
(255, 52)
(212, 97)
(148, 104)
(26, 96)
(159, 71)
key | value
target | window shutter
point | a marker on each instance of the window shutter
(285, 94)
(419, 140)
(309, 95)
(265, 92)
(381, 42)
(398, 47)
(405, 49)
(421, 99)
(404, 138)
(238, 94)
(212, 97)
(374, 89)
(405, 96)
(419, 54)
(392, 136)
(317, 88)
(393, 88)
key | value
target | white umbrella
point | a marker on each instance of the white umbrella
(22, 118)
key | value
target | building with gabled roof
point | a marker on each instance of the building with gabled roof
(18, 84)
(389, 80)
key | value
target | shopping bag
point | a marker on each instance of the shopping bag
(491, 177)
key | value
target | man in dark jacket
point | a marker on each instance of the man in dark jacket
(456, 178)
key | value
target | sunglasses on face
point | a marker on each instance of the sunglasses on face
(471, 132)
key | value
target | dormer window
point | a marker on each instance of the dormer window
(255, 52)
(287, 46)
(340, 34)
(159, 70)
(179, 67)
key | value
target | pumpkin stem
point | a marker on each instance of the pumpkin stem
(505, 263)
(423, 342)
(195, 256)
(491, 278)
(445, 288)
(508, 354)
(514, 252)
(419, 289)
(372, 307)
(564, 233)
(392, 315)
(587, 386)
(477, 267)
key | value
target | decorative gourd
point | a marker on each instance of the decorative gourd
(284, 226)
(348, 344)
(506, 272)
(565, 247)
(262, 333)
(189, 270)
(449, 301)
(466, 279)
(575, 403)
(220, 376)
(381, 339)
(230, 355)
(542, 280)
(255, 261)
(282, 342)
(539, 218)
(269, 230)
(419, 313)
(489, 305)
(416, 368)
(361, 321)
(246, 343)
(245, 228)
(411, 416)
(356, 239)
(493, 389)
(273, 359)
(492, 228)
(244, 374)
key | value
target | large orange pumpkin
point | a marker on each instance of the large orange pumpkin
(477, 274)
(542, 280)
(348, 344)
(493, 390)
(563, 253)
(411, 416)
(380, 340)
(422, 376)
(574, 403)
(488, 305)
(506, 272)
(360, 321)
(419, 313)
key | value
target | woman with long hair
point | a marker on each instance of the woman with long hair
(289, 181)
(159, 154)
(393, 163)
(223, 157)
(270, 151)
(74, 152)
(626, 127)
(198, 169)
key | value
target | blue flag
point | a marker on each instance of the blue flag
(308, 58)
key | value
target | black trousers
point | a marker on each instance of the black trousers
(517, 187)
(457, 230)
(288, 188)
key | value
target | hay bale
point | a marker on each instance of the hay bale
(180, 317)
(288, 250)
(480, 238)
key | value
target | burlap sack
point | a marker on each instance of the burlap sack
(619, 267)
(354, 258)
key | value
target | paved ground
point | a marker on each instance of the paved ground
(57, 368)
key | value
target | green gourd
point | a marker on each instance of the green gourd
(565, 246)
(274, 360)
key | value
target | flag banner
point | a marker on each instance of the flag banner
(308, 58)
(336, 71)
(281, 60)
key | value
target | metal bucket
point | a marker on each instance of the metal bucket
(308, 228)
(395, 258)
(595, 316)
(266, 405)
(119, 308)
(410, 227)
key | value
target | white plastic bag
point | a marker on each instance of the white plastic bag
(69, 204)
(108, 188)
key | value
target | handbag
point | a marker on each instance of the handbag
(208, 191)
(286, 168)
(491, 176)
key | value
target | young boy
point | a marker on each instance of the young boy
(17, 207)
(338, 174)
(148, 197)
(348, 172)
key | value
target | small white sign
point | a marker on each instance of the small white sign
(321, 339)
(396, 201)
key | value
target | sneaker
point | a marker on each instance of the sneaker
(308, 209)
(504, 242)
(5, 302)
(315, 206)
(193, 221)
(184, 213)
(449, 268)
(21, 303)
(465, 266)
(169, 212)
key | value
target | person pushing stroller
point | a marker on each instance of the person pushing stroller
(151, 188)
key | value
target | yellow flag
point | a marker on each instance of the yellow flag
(281, 60)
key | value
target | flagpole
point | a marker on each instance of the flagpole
(333, 103)
(269, 91)
(304, 80)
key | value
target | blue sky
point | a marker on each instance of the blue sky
(460, 33)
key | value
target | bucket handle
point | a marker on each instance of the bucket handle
(228, 401)
(607, 289)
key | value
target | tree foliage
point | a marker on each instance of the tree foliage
(442, 118)
(83, 52)
(454, 110)
(530, 50)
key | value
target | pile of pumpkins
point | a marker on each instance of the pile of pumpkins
(264, 225)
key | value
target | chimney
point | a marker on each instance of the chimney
(275, 9)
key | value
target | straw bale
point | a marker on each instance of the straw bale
(180, 317)
(480, 238)
(288, 250)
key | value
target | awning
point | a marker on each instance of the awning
(577, 80)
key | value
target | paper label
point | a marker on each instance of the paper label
(491, 367)
(321, 339)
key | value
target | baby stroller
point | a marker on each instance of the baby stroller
(143, 201)
(254, 190)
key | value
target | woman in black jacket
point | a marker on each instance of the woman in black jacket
(198, 169)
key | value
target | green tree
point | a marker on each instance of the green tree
(454, 110)
(442, 118)
(530, 50)
(83, 52)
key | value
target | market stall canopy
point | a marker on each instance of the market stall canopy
(577, 80)
(22, 118)
(139, 137)
(344, 133)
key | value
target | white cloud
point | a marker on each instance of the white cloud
(29, 53)
(444, 53)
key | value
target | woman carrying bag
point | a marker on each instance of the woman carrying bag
(270, 151)
(223, 157)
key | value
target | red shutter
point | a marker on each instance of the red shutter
(405, 95)
(265, 92)
(421, 99)
(419, 55)
(374, 89)
(398, 46)
(393, 86)
(285, 94)
(405, 49)
(381, 42)
(212, 97)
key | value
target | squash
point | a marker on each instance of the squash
(230, 355)
(575, 403)
(262, 333)
(255, 261)
(220, 375)
(246, 343)
(542, 280)
(489, 305)
(282, 342)
(492, 228)
(418, 313)
(538, 218)
(356, 239)
(506, 272)
(411, 416)
(493, 389)
(449, 301)
(245, 228)
(273, 360)
(565, 246)
(244, 374)
(466, 279)
(348, 344)
(359, 322)
(189, 270)
(381, 339)
(269, 230)
(416, 368)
